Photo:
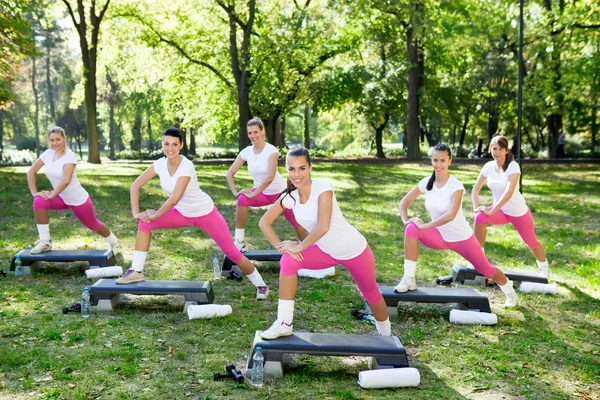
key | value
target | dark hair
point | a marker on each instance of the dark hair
(298, 151)
(438, 147)
(256, 121)
(173, 132)
(502, 141)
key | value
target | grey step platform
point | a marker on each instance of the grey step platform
(388, 350)
(95, 258)
(469, 298)
(253, 255)
(462, 274)
(105, 294)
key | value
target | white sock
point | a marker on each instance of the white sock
(410, 268)
(483, 249)
(384, 327)
(44, 231)
(508, 288)
(541, 264)
(240, 234)
(138, 261)
(256, 279)
(111, 239)
(285, 311)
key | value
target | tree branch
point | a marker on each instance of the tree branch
(181, 51)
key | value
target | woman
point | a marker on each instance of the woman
(509, 205)
(59, 166)
(448, 228)
(331, 240)
(262, 160)
(187, 205)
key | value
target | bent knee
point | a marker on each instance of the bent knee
(39, 203)
(480, 218)
(411, 231)
(289, 266)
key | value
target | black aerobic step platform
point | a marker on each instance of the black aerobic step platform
(253, 255)
(95, 258)
(388, 350)
(462, 274)
(470, 298)
(105, 294)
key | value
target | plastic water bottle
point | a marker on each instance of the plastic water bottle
(258, 368)
(217, 268)
(369, 318)
(18, 267)
(85, 303)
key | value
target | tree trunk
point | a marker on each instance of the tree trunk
(136, 133)
(185, 149)
(306, 125)
(89, 56)
(379, 135)
(192, 142)
(112, 128)
(151, 137)
(36, 118)
(554, 120)
(463, 131)
(412, 115)
(282, 126)
(51, 100)
(1, 133)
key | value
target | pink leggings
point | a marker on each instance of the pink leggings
(212, 223)
(84, 212)
(266, 200)
(523, 224)
(361, 268)
(469, 249)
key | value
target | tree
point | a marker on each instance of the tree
(89, 55)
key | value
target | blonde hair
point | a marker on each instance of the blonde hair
(57, 129)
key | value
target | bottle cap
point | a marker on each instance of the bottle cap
(259, 349)
(85, 289)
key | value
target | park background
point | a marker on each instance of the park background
(363, 79)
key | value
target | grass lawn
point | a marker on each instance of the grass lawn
(547, 348)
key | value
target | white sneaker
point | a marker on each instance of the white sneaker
(407, 283)
(114, 248)
(511, 300)
(262, 292)
(278, 329)
(130, 276)
(241, 246)
(41, 246)
(544, 271)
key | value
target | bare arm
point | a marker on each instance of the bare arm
(67, 174)
(174, 198)
(405, 202)
(513, 180)
(448, 215)
(273, 158)
(476, 189)
(235, 167)
(31, 177)
(134, 191)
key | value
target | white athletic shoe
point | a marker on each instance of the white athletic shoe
(544, 271)
(511, 300)
(278, 329)
(41, 246)
(241, 246)
(262, 292)
(407, 283)
(130, 276)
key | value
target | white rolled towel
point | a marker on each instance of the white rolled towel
(316, 273)
(528, 287)
(103, 272)
(389, 378)
(208, 311)
(466, 317)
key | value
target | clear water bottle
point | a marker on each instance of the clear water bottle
(217, 268)
(18, 267)
(369, 318)
(85, 303)
(258, 368)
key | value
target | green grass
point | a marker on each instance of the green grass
(547, 348)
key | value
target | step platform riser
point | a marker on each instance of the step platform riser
(252, 255)
(469, 276)
(466, 298)
(32, 262)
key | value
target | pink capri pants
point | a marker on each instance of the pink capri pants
(523, 224)
(469, 249)
(212, 223)
(361, 268)
(266, 200)
(83, 212)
